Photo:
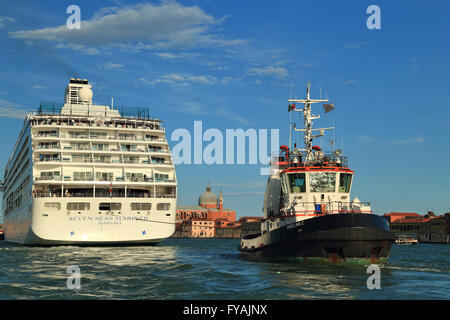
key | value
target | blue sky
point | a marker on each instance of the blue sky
(231, 64)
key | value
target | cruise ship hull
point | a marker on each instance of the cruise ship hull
(37, 226)
(334, 238)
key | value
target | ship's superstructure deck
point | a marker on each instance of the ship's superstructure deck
(82, 156)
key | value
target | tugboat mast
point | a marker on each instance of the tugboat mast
(307, 120)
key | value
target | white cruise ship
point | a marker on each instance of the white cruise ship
(84, 174)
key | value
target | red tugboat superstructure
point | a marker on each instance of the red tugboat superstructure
(308, 211)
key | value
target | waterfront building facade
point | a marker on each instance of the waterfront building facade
(208, 219)
(428, 228)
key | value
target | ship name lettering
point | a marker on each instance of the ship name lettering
(108, 220)
(294, 225)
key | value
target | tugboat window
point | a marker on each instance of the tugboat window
(322, 181)
(297, 182)
(345, 181)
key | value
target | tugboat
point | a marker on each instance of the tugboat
(308, 212)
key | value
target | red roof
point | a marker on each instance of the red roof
(251, 218)
(405, 214)
(421, 219)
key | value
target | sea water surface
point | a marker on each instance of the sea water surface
(213, 269)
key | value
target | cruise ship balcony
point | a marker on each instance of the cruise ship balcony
(107, 180)
(85, 191)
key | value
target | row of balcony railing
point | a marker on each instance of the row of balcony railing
(105, 161)
(97, 124)
(88, 148)
(85, 137)
(116, 179)
(101, 194)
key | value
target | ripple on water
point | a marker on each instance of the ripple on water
(212, 269)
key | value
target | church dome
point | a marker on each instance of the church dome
(207, 197)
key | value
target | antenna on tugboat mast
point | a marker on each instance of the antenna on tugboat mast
(307, 116)
(290, 124)
(334, 134)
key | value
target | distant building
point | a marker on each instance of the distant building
(402, 216)
(435, 229)
(405, 223)
(250, 225)
(203, 228)
(208, 219)
(428, 228)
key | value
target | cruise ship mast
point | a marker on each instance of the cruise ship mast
(307, 120)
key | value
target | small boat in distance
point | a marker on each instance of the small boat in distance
(406, 240)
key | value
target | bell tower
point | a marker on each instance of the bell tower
(220, 201)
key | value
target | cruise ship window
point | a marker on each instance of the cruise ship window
(163, 206)
(78, 134)
(100, 147)
(52, 206)
(141, 206)
(81, 176)
(98, 135)
(79, 206)
(106, 206)
(49, 175)
(134, 176)
(161, 177)
(104, 176)
(297, 182)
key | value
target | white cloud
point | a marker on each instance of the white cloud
(269, 71)
(110, 66)
(11, 110)
(180, 80)
(226, 80)
(4, 20)
(144, 25)
(355, 45)
(415, 140)
(174, 56)
(79, 48)
(202, 79)
(364, 139)
(347, 82)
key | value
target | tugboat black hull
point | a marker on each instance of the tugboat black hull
(336, 238)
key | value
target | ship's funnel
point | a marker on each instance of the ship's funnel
(78, 91)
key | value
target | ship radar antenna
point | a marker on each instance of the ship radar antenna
(307, 120)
